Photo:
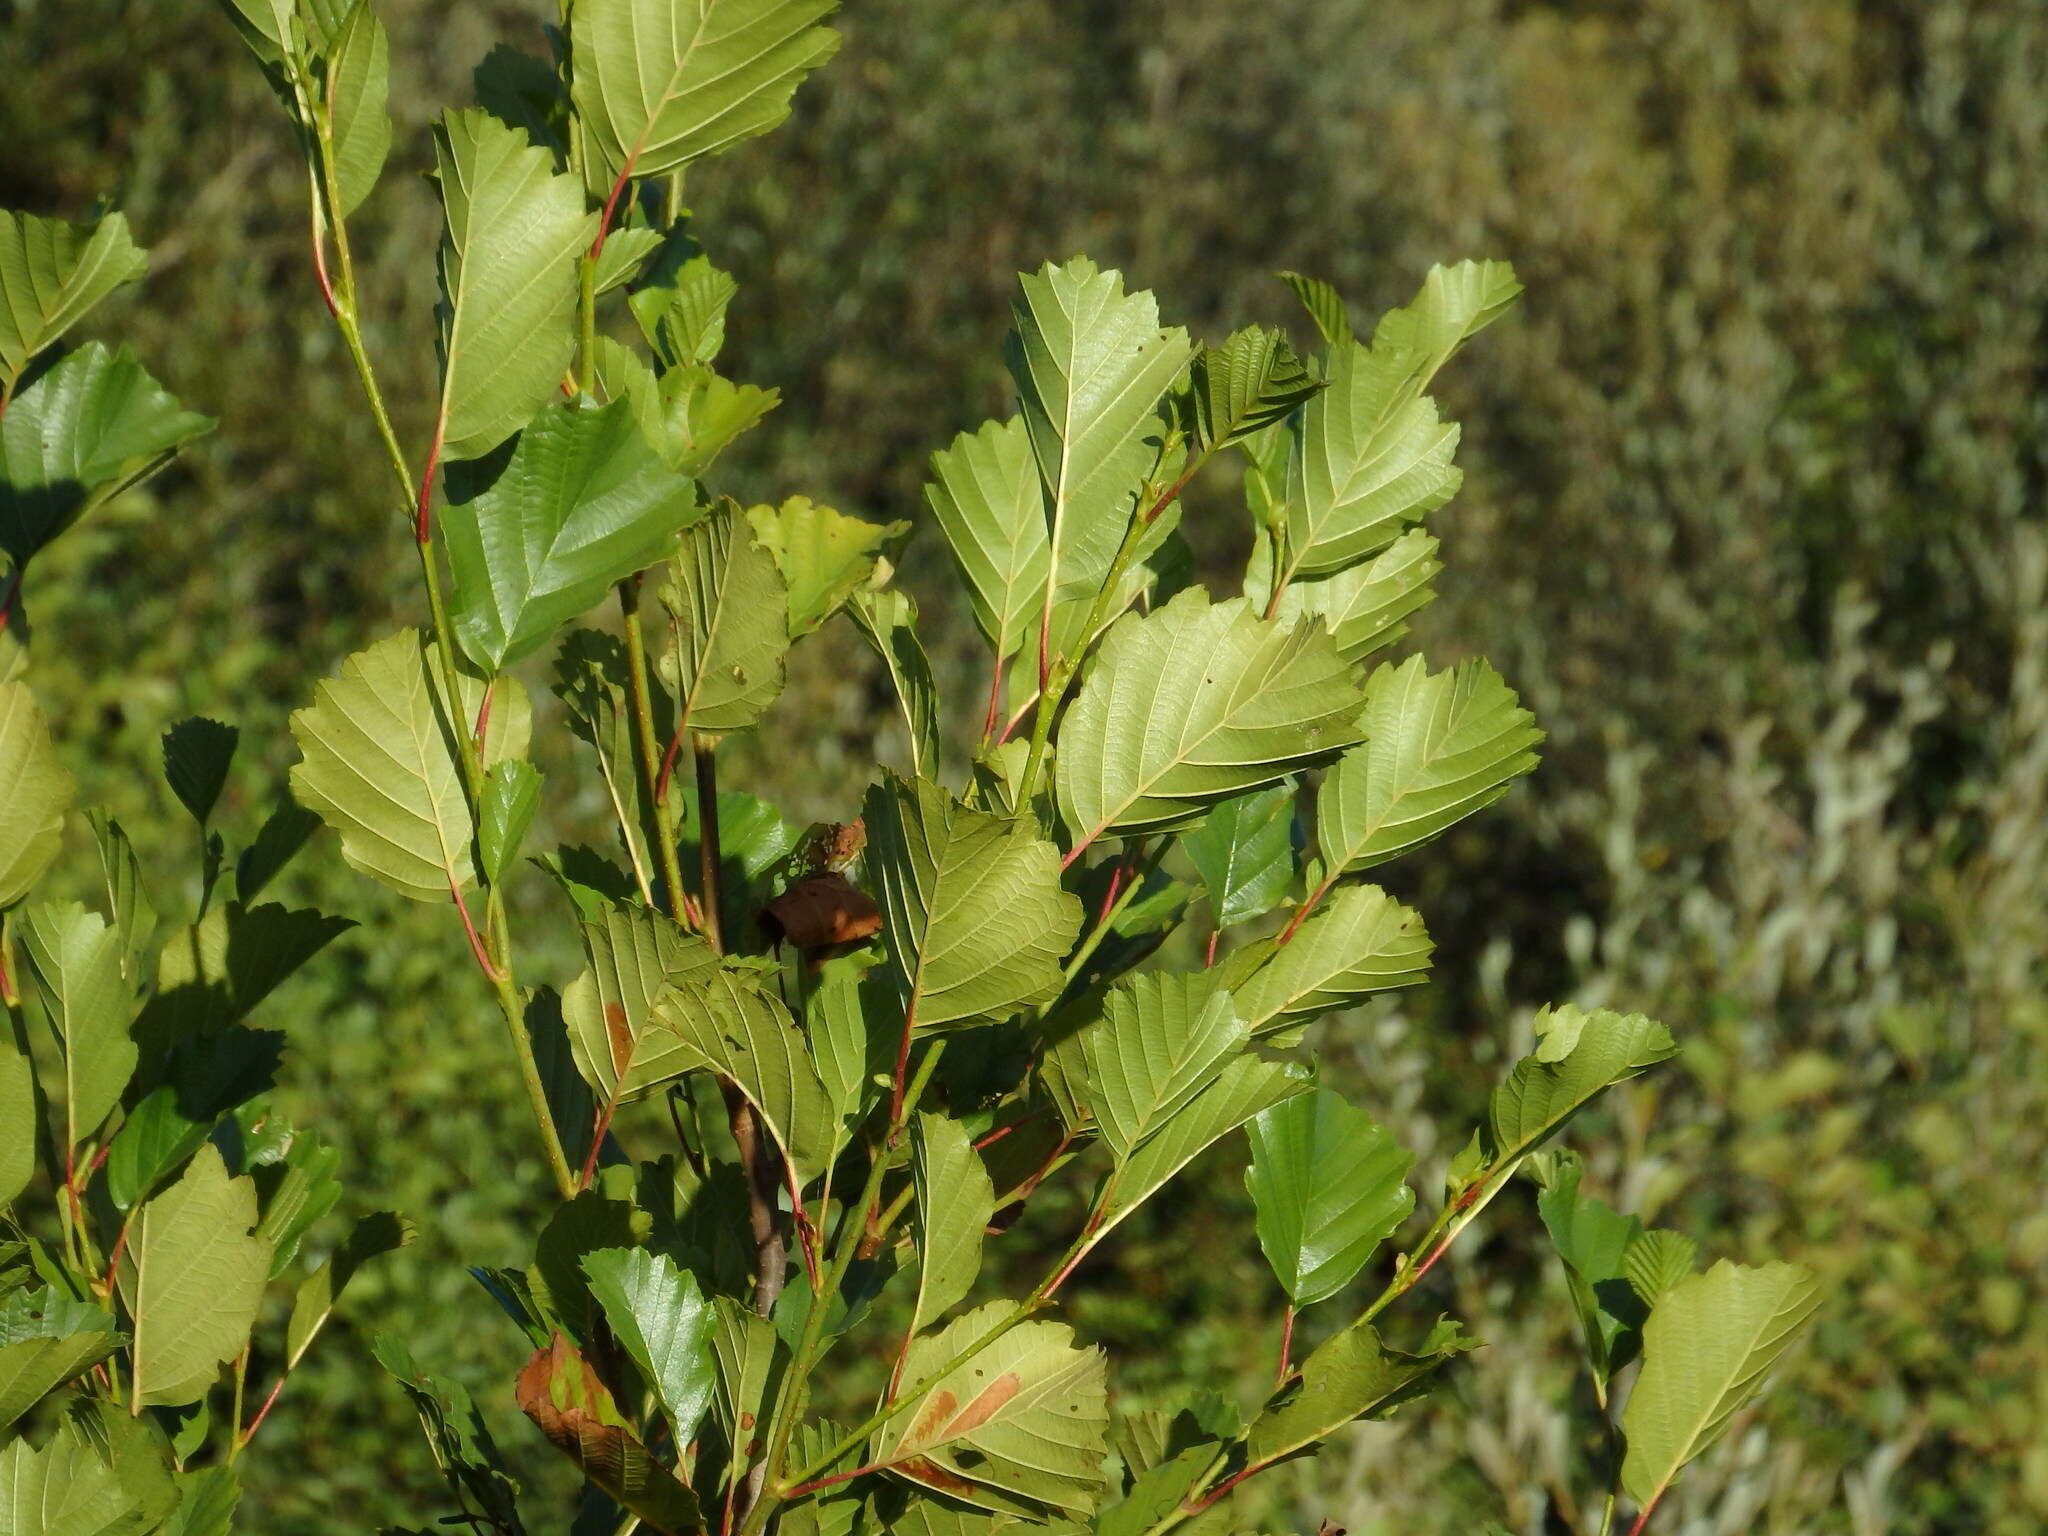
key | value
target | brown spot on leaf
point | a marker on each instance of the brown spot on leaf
(922, 1469)
(984, 1405)
(925, 1426)
(621, 1033)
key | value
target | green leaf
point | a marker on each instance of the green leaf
(377, 1234)
(682, 313)
(45, 1340)
(986, 494)
(1021, 1418)
(1369, 458)
(83, 432)
(76, 961)
(511, 796)
(690, 413)
(563, 1396)
(1708, 1344)
(976, 922)
(752, 1360)
(625, 251)
(460, 1440)
(206, 1506)
(755, 842)
(728, 1024)
(954, 1202)
(35, 792)
(1159, 1041)
(133, 916)
(1656, 1261)
(66, 1489)
(1090, 364)
(208, 1075)
(197, 755)
(214, 973)
(1330, 1185)
(18, 1108)
(661, 1319)
(1592, 1239)
(1357, 943)
(508, 280)
(269, 27)
(728, 625)
(1438, 748)
(1191, 705)
(1244, 852)
(1455, 304)
(1247, 1086)
(380, 766)
(294, 1200)
(1250, 382)
(51, 274)
(582, 503)
(1545, 1090)
(824, 556)
(634, 953)
(192, 1278)
(354, 89)
(1352, 1375)
(659, 83)
(887, 620)
(1323, 306)
(1365, 607)
(278, 841)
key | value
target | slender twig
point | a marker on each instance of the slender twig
(1643, 1518)
(1286, 1366)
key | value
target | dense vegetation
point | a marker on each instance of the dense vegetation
(1750, 519)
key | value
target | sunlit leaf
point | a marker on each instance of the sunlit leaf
(986, 494)
(976, 922)
(1330, 1185)
(634, 953)
(1244, 851)
(52, 273)
(1159, 1041)
(76, 961)
(824, 555)
(887, 620)
(1324, 306)
(661, 1319)
(1366, 606)
(728, 625)
(954, 1202)
(1353, 1375)
(1545, 1090)
(1247, 384)
(1193, 704)
(567, 1401)
(45, 1340)
(682, 311)
(355, 85)
(35, 792)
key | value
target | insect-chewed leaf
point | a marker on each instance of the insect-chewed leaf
(1351, 1376)
(660, 83)
(728, 623)
(1193, 704)
(1244, 852)
(1090, 364)
(726, 1023)
(1330, 1185)
(1706, 1348)
(824, 555)
(46, 1339)
(1438, 747)
(1365, 607)
(192, 1278)
(35, 792)
(563, 1396)
(508, 279)
(51, 274)
(976, 922)
(85, 430)
(634, 953)
(1547, 1088)
(583, 502)
(986, 494)
(661, 1318)
(1159, 1041)
(954, 1202)
(1359, 942)
(380, 765)
(1020, 1419)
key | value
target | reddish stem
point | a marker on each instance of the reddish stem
(1116, 882)
(1286, 1368)
(995, 701)
(320, 272)
(604, 1125)
(827, 1482)
(483, 712)
(611, 203)
(1301, 912)
(476, 944)
(668, 766)
(902, 1077)
(263, 1412)
(1643, 1519)
(423, 527)
(6, 614)
(1081, 1252)
(998, 1134)
(1209, 954)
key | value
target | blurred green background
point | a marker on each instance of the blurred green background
(1752, 518)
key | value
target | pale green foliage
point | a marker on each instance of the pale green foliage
(355, 84)
(1546, 1089)
(45, 1340)
(887, 620)
(660, 83)
(1354, 1375)
(824, 556)
(728, 625)
(985, 493)
(1330, 1186)
(508, 280)
(1358, 942)
(35, 792)
(76, 960)
(976, 920)
(583, 502)
(1194, 704)
(1365, 606)
(1158, 1042)
(1706, 1348)
(634, 955)
(954, 1202)
(1244, 850)
(191, 1280)
(51, 274)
